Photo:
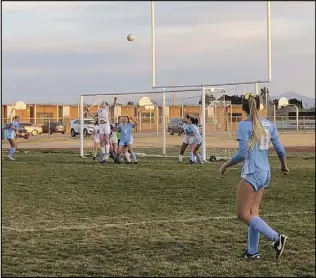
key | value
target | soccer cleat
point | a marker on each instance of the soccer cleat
(279, 245)
(94, 158)
(10, 158)
(136, 162)
(102, 161)
(192, 162)
(251, 256)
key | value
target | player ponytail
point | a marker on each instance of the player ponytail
(96, 122)
(251, 105)
(196, 121)
(127, 117)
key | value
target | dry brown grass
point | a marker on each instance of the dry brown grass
(154, 141)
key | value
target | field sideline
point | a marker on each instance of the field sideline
(76, 217)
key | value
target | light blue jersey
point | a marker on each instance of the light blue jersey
(126, 133)
(12, 130)
(256, 160)
(193, 132)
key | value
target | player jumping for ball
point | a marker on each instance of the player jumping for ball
(104, 128)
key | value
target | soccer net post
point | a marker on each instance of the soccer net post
(159, 115)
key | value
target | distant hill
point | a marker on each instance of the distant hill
(307, 101)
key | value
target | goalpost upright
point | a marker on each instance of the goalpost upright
(182, 88)
(203, 108)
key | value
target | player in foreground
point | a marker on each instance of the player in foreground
(126, 140)
(11, 136)
(104, 128)
(185, 143)
(96, 139)
(195, 140)
(254, 135)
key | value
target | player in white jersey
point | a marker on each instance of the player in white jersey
(104, 128)
(96, 139)
(195, 140)
(186, 142)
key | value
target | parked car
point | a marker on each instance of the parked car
(54, 127)
(21, 132)
(33, 129)
(175, 126)
(87, 127)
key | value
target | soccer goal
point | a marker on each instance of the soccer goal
(159, 115)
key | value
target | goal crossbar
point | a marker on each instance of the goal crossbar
(142, 92)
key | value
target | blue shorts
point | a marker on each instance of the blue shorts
(258, 180)
(125, 143)
(9, 135)
(197, 139)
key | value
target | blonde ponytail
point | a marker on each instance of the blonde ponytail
(257, 128)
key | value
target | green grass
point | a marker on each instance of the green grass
(68, 217)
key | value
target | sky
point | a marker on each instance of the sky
(54, 51)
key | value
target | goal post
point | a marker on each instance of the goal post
(153, 110)
(157, 114)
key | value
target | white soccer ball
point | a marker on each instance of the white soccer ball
(130, 37)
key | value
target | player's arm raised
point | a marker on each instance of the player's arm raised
(136, 123)
(114, 102)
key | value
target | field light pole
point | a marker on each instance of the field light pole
(269, 41)
(153, 70)
(153, 52)
(153, 44)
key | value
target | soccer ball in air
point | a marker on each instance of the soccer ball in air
(130, 37)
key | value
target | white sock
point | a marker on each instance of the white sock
(103, 150)
(180, 157)
(127, 156)
(107, 149)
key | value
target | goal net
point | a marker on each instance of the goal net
(159, 116)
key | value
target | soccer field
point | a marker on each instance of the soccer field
(67, 216)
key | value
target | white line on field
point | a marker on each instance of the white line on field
(162, 221)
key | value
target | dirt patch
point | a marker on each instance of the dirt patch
(296, 142)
